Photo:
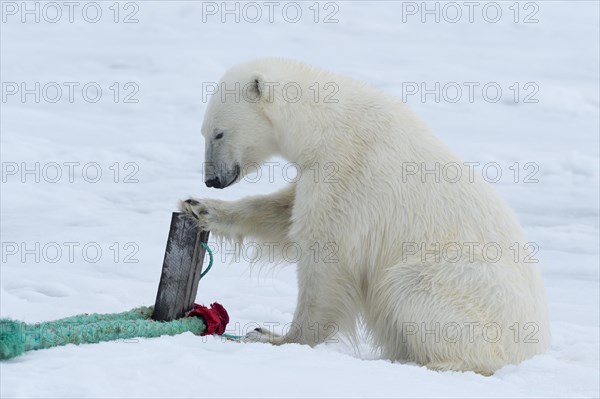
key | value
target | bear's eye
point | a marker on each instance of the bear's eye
(219, 136)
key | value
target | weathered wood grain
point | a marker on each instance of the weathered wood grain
(181, 270)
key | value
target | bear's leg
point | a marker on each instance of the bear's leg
(328, 302)
(265, 217)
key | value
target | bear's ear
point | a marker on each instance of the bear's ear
(258, 89)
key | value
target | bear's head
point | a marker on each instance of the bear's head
(236, 129)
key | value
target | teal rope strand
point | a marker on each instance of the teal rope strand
(210, 259)
(233, 337)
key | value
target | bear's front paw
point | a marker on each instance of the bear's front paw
(199, 210)
(258, 335)
(266, 336)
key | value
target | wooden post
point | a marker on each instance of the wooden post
(181, 270)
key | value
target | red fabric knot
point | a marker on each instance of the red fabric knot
(216, 318)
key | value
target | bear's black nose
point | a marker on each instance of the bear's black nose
(214, 182)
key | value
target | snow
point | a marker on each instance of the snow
(168, 54)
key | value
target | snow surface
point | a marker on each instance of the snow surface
(168, 54)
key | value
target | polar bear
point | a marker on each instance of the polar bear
(426, 253)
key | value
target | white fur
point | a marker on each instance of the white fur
(369, 213)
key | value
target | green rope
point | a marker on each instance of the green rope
(210, 259)
(17, 337)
